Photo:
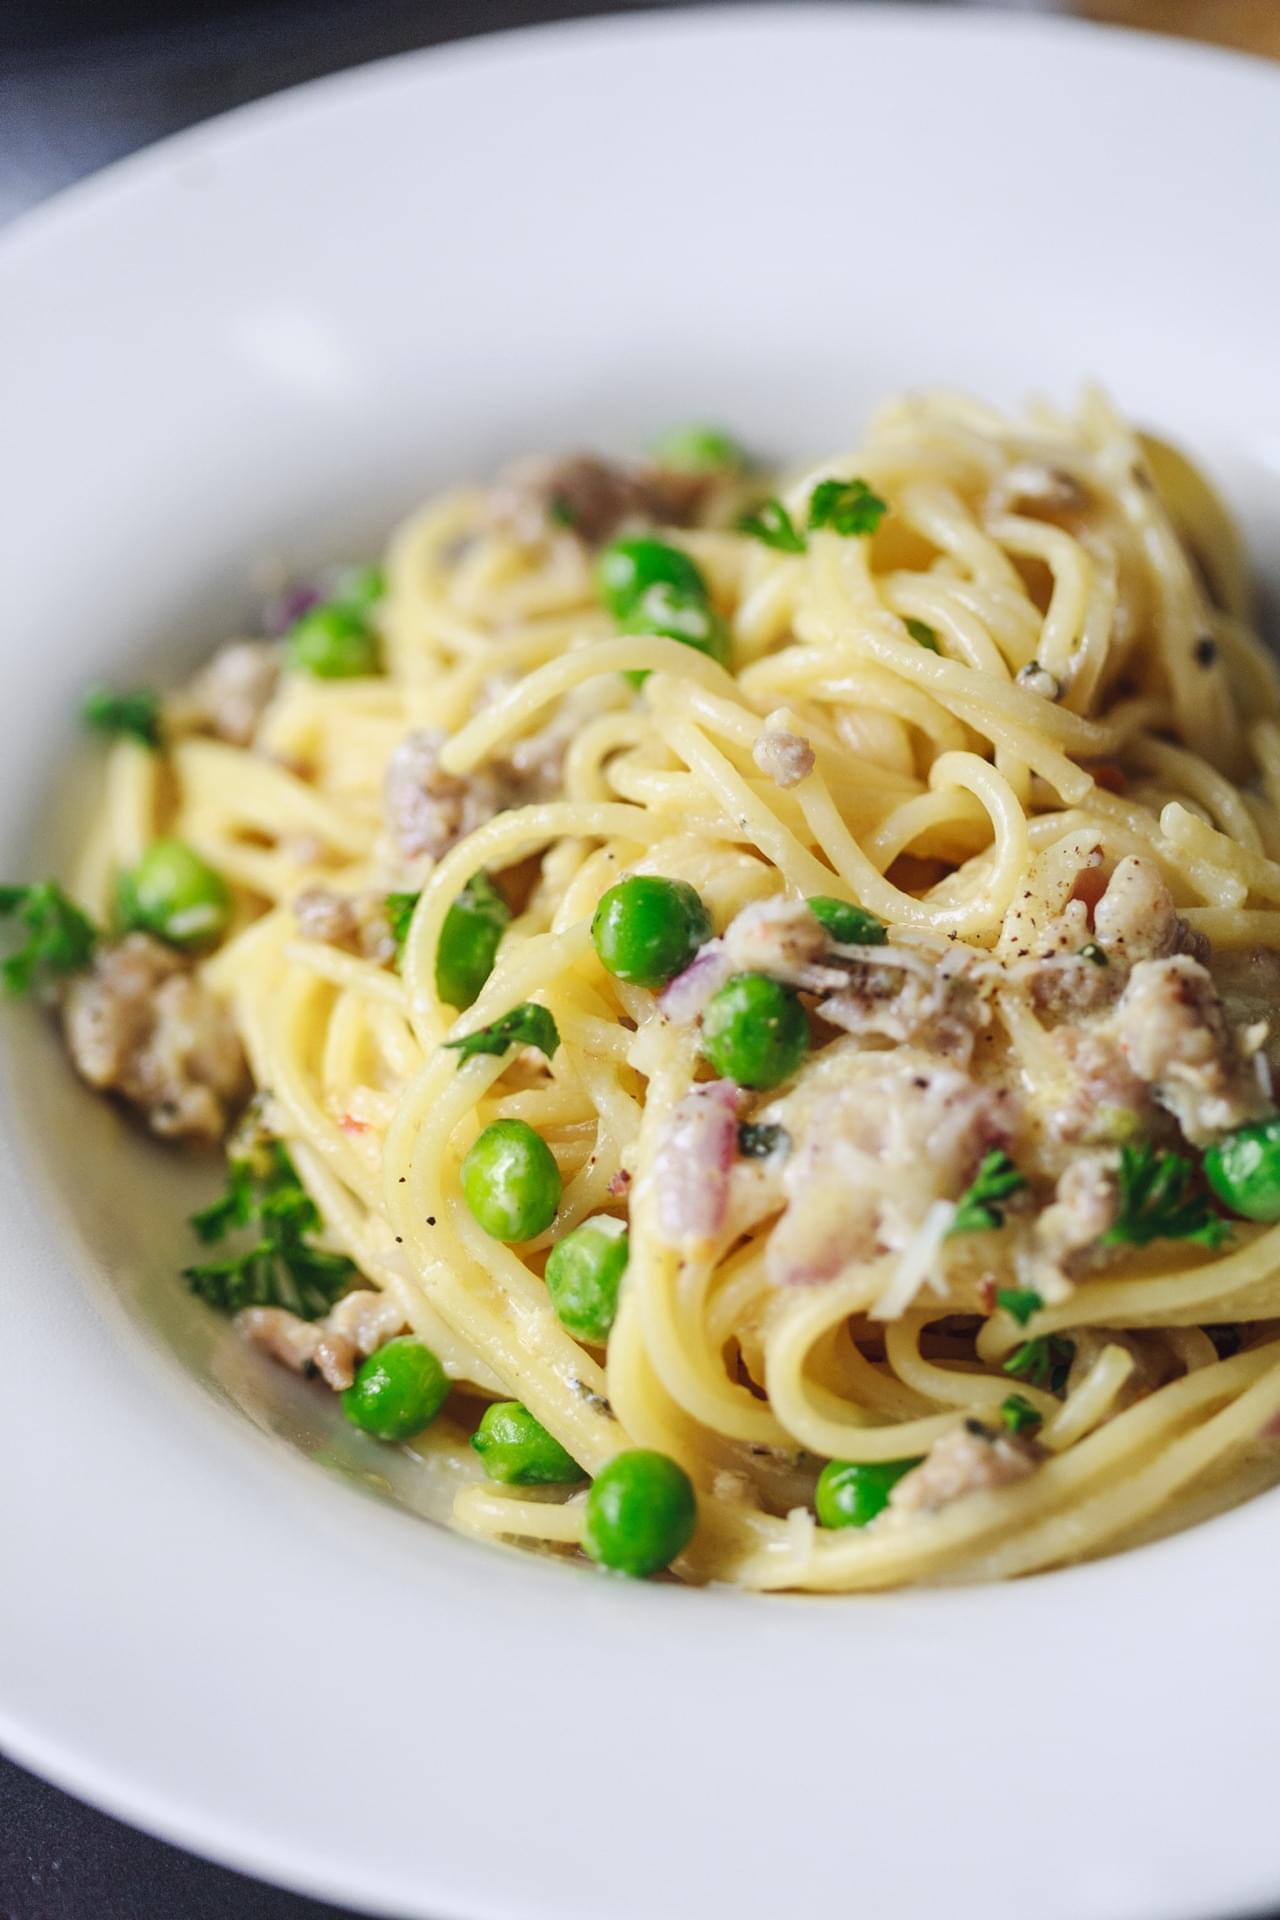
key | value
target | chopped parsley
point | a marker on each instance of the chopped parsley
(1019, 1415)
(1092, 951)
(279, 1267)
(757, 1140)
(1019, 1302)
(1155, 1204)
(847, 507)
(923, 635)
(560, 511)
(849, 926)
(400, 908)
(771, 523)
(981, 1206)
(1044, 1362)
(528, 1025)
(60, 939)
(136, 716)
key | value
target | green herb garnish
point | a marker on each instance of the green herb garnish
(528, 1025)
(1092, 951)
(1019, 1415)
(757, 1140)
(980, 1207)
(1155, 1204)
(847, 507)
(771, 523)
(1044, 1362)
(60, 939)
(136, 716)
(1019, 1302)
(923, 635)
(849, 926)
(400, 908)
(279, 1268)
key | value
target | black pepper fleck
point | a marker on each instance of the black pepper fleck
(1205, 650)
(431, 1219)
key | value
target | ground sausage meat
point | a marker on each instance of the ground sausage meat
(1135, 918)
(1083, 1208)
(786, 757)
(303, 1346)
(358, 1325)
(229, 696)
(595, 497)
(356, 921)
(139, 1024)
(972, 1458)
(1174, 1034)
(429, 810)
(877, 1137)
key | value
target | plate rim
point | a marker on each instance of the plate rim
(51, 222)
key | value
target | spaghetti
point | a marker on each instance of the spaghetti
(1014, 713)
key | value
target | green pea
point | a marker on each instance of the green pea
(174, 894)
(627, 570)
(646, 930)
(693, 622)
(851, 1492)
(511, 1182)
(399, 1390)
(641, 1513)
(518, 1451)
(755, 1031)
(848, 926)
(468, 943)
(333, 642)
(1244, 1170)
(584, 1273)
(699, 450)
(650, 586)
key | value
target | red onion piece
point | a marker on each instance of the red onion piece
(694, 1161)
(288, 607)
(683, 998)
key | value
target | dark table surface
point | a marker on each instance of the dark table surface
(81, 83)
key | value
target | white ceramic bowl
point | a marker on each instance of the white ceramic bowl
(269, 336)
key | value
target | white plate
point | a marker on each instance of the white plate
(270, 335)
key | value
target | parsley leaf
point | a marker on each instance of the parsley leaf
(1155, 1204)
(1092, 951)
(923, 635)
(60, 939)
(279, 1268)
(846, 506)
(849, 926)
(771, 523)
(1019, 1415)
(757, 1140)
(1045, 1362)
(980, 1207)
(400, 908)
(1019, 1302)
(136, 715)
(528, 1025)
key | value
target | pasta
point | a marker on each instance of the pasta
(976, 1237)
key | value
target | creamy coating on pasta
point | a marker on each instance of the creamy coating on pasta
(927, 1227)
